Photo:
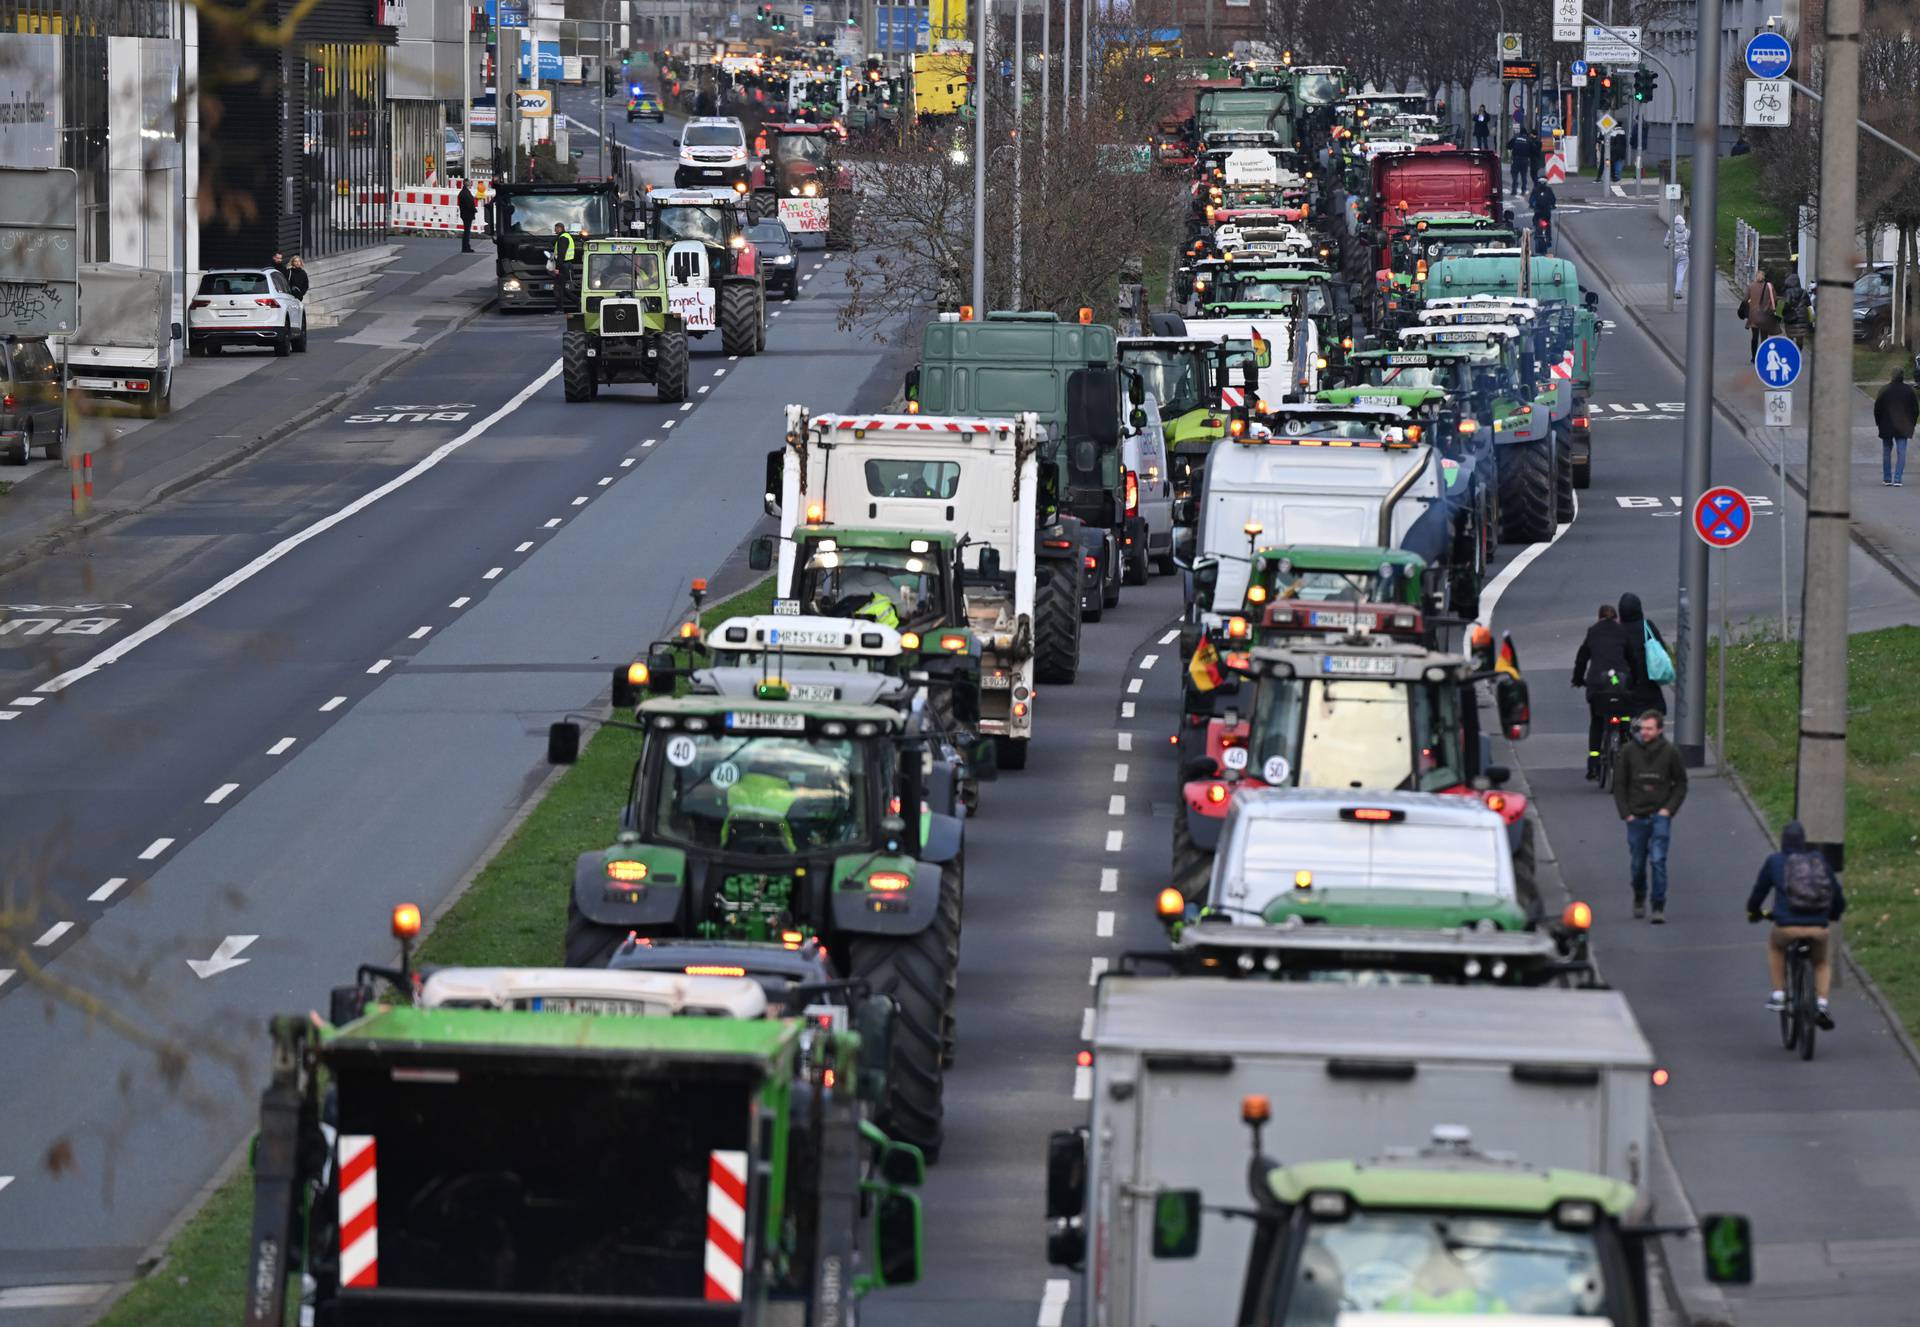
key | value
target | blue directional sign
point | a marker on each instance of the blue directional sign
(1722, 517)
(1777, 362)
(1769, 55)
(1579, 68)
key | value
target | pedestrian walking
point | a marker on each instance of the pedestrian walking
(1536, 158)
(469, 208)
(1647, 652)
(1678, 240)
(1760, 310)
(1894, 413)
(1649, 784)
(1482, 127)
(1796, 310)
(1618, 143)
(297, 279)
(1517, 158)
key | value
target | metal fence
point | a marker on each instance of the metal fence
(1746, 253)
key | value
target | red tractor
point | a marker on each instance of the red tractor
(803, 182)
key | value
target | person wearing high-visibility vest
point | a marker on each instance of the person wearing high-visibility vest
(565, 251)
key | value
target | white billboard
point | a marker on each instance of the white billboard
(29, 100)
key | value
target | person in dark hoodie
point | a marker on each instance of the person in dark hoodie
(1649, 783)
(1807, 900)
(1633, 620)
(1605, 669)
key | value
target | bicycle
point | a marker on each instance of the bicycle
(1612, 737)
(1800, 1019)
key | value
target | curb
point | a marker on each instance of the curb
(1740, 426)
(54, 540)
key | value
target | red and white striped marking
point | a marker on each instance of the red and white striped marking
(1556, 172)
(1564, 369)
(359, 1221)
(910, 423)
(726, 1225)
(1233, 396)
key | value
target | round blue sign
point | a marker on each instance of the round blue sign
(1769, 55)
(1777, 361)
(1579, 67)
(1722, 517)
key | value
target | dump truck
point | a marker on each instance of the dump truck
(440, 1151)
(523, 221)
(621, 329)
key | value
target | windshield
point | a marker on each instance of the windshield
(1286, 293)
(1317, 89)
(771, 235)
(773, 795)
(29, 360)
(234, 283)
(707, 225)
(888, 585)
(623, 271)
(1319, 587)
(1362, 430)
(538, 214)
(1391, 1262)
(1175, 377)
(713, 135)
(1357, 733)
(1403, 377)
(800, 147)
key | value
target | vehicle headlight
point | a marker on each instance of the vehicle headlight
(810, 189)
(511, 284)
(783, 260)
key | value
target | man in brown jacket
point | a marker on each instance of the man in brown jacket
(1649, 783)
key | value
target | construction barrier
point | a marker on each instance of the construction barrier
(427, 209)
(1556, 169)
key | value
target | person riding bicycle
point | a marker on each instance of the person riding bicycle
(1604, 666)
(1543, 200)
(1807, 899)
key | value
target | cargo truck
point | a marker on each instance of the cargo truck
(124, 347)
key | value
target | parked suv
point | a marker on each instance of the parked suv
(33, 404)
(713, 151)
(246, 306)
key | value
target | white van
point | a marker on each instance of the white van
(1148, 538)
(713, 151)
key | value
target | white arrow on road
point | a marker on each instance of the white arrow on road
(225, 958)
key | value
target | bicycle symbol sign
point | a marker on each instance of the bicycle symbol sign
(1777, 362)
(1722, 517)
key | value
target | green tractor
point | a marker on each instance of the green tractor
(771, 818)
(513, 1145)
(623, 329)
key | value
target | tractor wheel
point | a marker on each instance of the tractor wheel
(576, 371)
(1111, 574)
(1563, 486)
(670, 367)
(760, 321)
(952, 888)
(739, 330)
(589, 944)
(1192, 864)
(911, 969)
(1056, 624)
(1527, 502)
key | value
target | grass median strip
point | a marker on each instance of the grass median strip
(513, 914)
(1883, 786)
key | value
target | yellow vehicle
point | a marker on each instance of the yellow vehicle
(940, 83)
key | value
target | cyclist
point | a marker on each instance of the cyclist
(1543, 201)
(1807, 899)
(1604, 666)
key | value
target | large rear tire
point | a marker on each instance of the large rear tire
(670, 369)
(1527, 501)
(911, 969)
(1563, 481)
(1056, 624)
(952, 889)
(576, 370)
(1137, 569)
(739, 330)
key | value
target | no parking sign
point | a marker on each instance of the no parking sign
(1722, 517)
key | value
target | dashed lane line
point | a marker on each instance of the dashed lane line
(461, 602)
(1170, 637)
(581, 502)
(108, 890)
(1086, 1024)
(1095, 967)
(624, 464)
(1115, 837)
(1116, 805)
(1147, 661)
(157, 847)
(420, 633)
(1126, 709)
(1109, 879)
(552, 523)
(1126, 741)
(493, 573)
(380, 666)
(1053, 1300)
(28, 701)
(281, 747)
(604, 482)
(1082, 1091)
(233, 580)
(1120, 773)
(53, 934)
(523, 547)
(9, 714)
(222, 793)
(1103, 924)
(1134, 684)
(333, 704)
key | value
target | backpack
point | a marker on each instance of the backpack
(1808, 887)
(1659, 662)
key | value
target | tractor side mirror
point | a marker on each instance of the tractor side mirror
(1592, 300)
(990, 563)
(1510, 697)
(760, 553)
(563, 742)
(896, 1237)
(903, 1164)
(1206, 578)
(1066, 1174)
(1727, 1241)
(1176, 1223)
(346, 1003)
(1200, 767)
(662, 672)
(984, 755)
(1136, 389)
(912, 388)
(775, 478)
(1137, 417)
(1184, 511)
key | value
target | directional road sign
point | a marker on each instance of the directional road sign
(1769, 55)
(1777, 362)
(1722, 517)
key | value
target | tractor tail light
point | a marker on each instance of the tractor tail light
(1133, 494)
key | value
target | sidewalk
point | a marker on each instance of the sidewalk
(1620, 242)
(227, 407)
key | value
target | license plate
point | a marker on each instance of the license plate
(1336, 619)
(996, 681)
(801, 636)
(1355, 665)
(99, 384)
(754, 721)
(566, 1004)
(786, 607)
(815, 691)
(1378, 400)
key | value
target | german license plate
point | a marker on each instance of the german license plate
(815, 691)
(786, 607)
(1329, 618)
(1377, 400)
(996, 680)
(1355, 665)
(805, 636)
(757, 721)
(568, 1004)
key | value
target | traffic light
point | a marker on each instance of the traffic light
(1604, 97)
(1644, 82)
(760, 13)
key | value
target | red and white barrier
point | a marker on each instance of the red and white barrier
(1233, 396)
(359, 1217)
(1556, 172)
(426, 209)
(1564, 369)
(726, 1226)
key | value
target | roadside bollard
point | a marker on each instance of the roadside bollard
(80, 472)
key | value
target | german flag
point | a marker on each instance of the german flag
(1204, 667)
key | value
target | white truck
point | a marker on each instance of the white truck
(124, 346)
(1553, 1078)
(1290, 372)
(925, 523)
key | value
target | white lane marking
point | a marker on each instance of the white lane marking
(1126, 709)
(9, 714)
(333, 704)
(1120, 773)
(226, 957)
(108, 890)
(628, 462)
(1082, 1091)
(1086, 1024)
(1116, 805)
(281, 747)
(51, 1297)
(705, 387)
(1103, 924)
(581, 502)
(157, 847)
(380, 666)
(523, 547)
(733, 359)
(1053, 1301)
(1114, 839)
(647, 443)
(6, 975)
(720, 373)
(1170, 637)
(774, 314)
(818, 266)
(461, 602)
(1094, 969)
(5, 1180)
(233, 580)
(493, 573)
(1126, 741)
(667, 424)
(1490, 595)
(54, 932)
(1134, 684)
(420, 633)
(1147, 661)
(222, 793)
(685, 406)
(604, 482)
(1109, 879)
(550, 524)
(28, 701)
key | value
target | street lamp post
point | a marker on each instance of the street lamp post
(1019, 144)
(980, 162)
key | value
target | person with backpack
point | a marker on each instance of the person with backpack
(1649, 783)
(1760, 311)
(1648, 654)
(1807, 900)
(1603, 668)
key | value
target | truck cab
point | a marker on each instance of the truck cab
(523, 220)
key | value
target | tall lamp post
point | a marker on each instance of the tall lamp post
(980, 161)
